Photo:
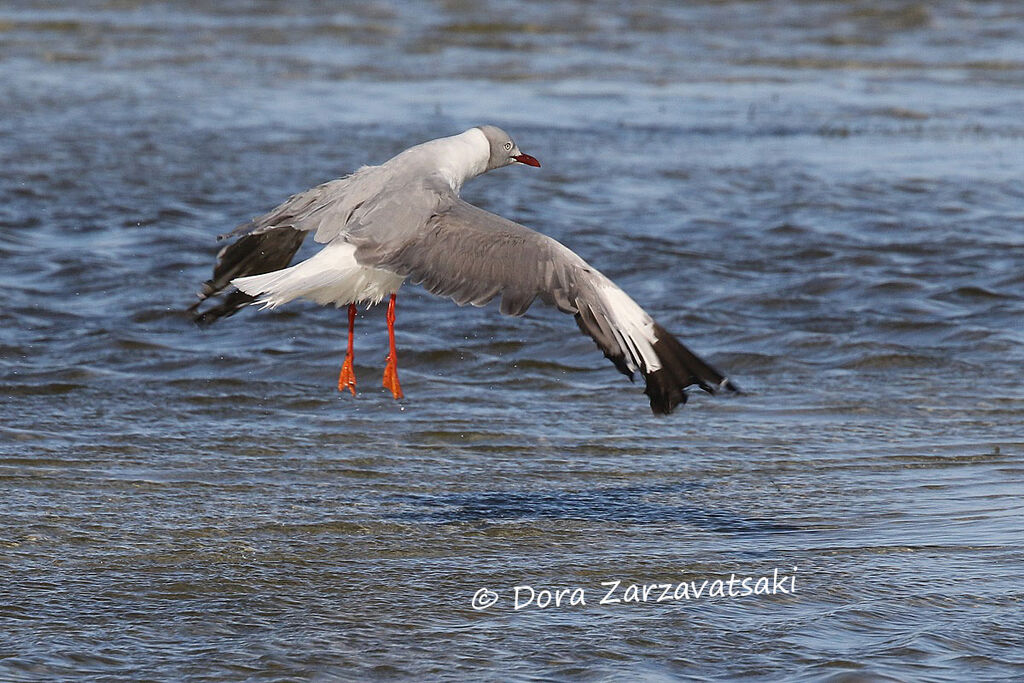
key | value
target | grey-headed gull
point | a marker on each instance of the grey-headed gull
(404, 220)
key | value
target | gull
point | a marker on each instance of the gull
(404, 220)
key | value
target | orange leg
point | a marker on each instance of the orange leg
(391, 369)
(347, 378)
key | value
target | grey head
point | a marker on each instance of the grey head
(504, 150)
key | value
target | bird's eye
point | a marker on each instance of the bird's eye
(508, 146)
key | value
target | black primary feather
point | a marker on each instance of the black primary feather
(251, 254)
(680, 368)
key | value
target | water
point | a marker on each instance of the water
(823, 198)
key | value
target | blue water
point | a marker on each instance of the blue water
(822, 198)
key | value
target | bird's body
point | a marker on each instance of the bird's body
(415, 181)
(404, 220)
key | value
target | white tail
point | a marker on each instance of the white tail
(332, 276)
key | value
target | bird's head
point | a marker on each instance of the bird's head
(504, 150)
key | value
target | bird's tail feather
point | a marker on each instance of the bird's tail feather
(305, 279)
(331, 276)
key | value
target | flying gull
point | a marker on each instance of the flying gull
(404, 220)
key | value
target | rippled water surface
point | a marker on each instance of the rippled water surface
(823, 198)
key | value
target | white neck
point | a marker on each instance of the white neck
(456, 159)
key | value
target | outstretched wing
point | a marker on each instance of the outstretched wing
(472, 256)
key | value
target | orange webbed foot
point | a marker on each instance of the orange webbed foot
(347, 377)
(391, 377)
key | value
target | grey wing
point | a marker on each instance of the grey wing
(472, 256)
(269, 242)
(374, 199)
(324, 210)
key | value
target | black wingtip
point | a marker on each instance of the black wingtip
(730, 386)
(664, 392)
(230, 305)
(251, 254)
(680, 368)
